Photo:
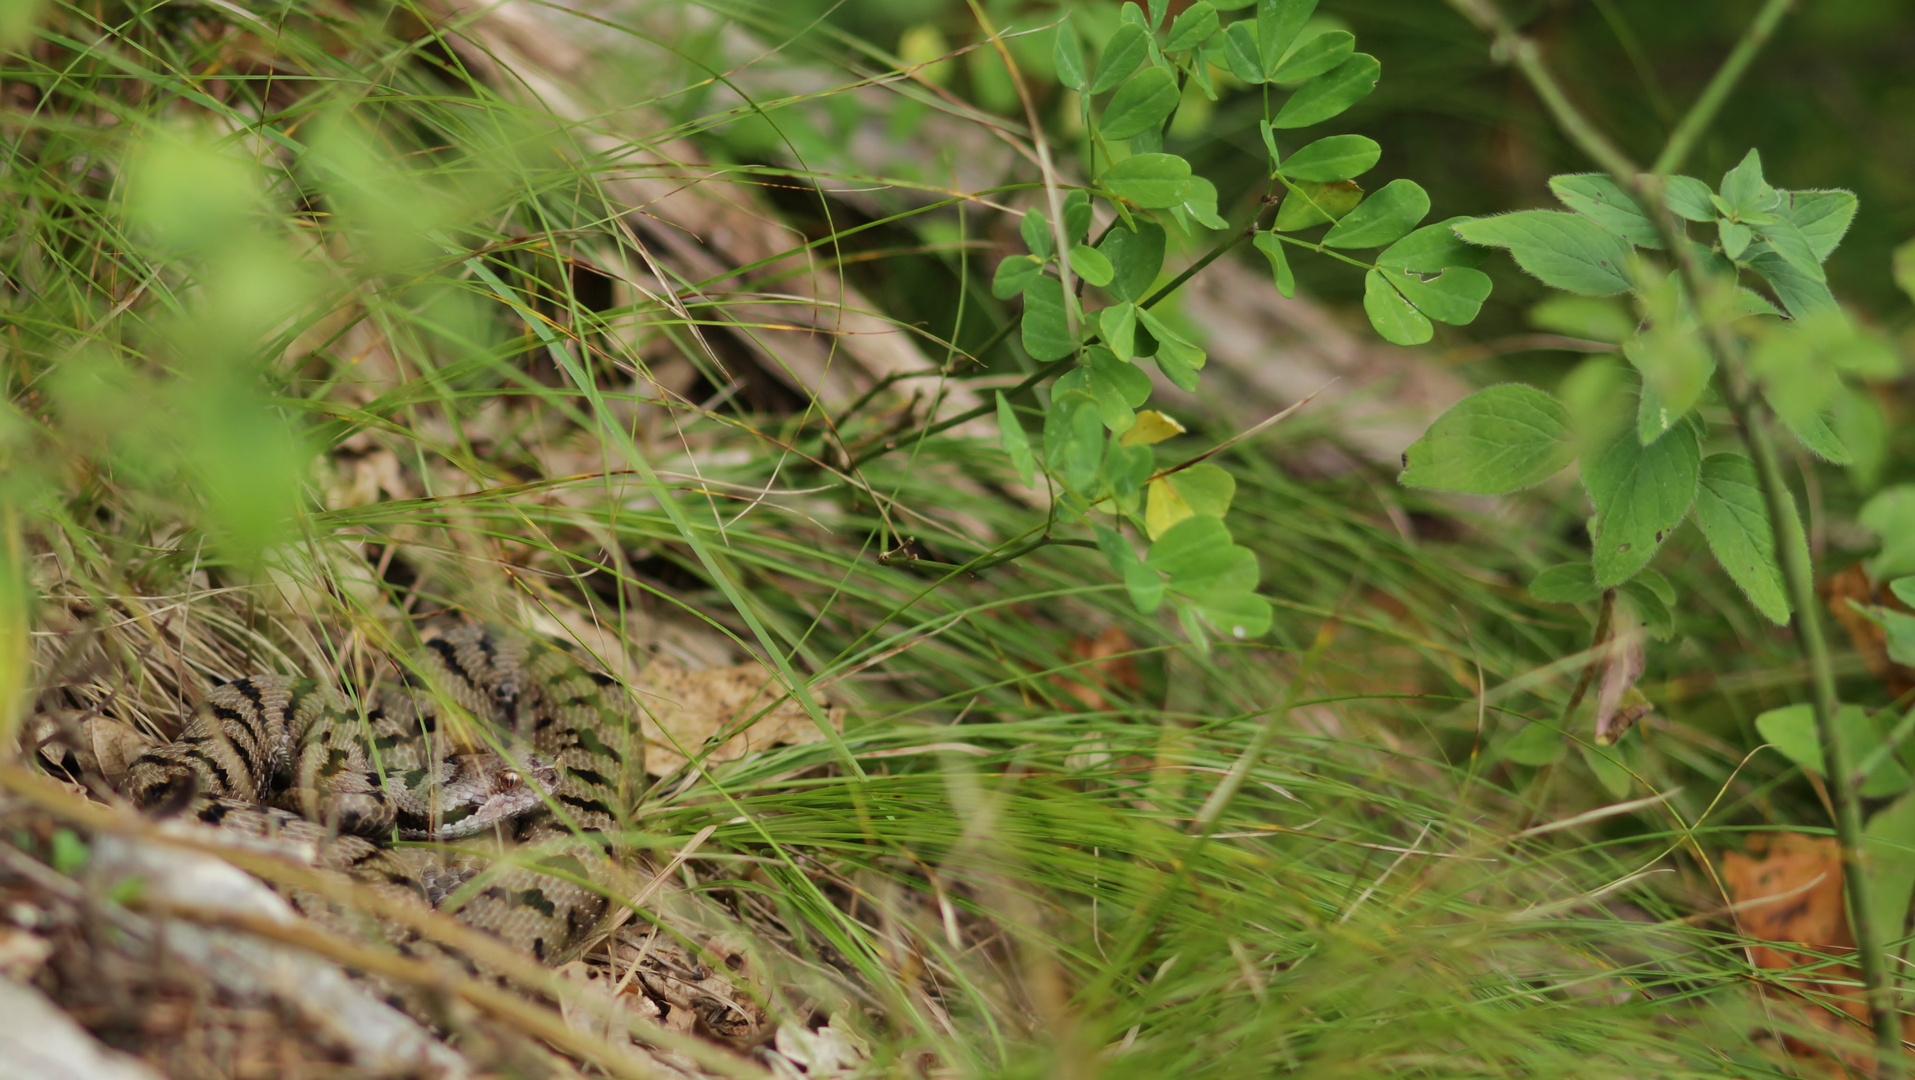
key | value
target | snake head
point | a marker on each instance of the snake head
(491, 788)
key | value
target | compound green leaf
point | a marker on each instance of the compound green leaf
(1278, 24)
(1014, 273)
(1272, 249)
(1017, 445)
(1240, 52)
(1330, 93)
(1454, 296)
(1200, 202)
(1152, 181)
(1178, 357)
(1338, 157)
(1136, 258)
(1567, 251)
(1046, 334)
(1117, 325)
(1641, 494)
(1500, 439)
(1068, 57)
(1193, 27)
(1315, 56)
(1314, 204)
(1598, 198)
(1734, 517)
(1396, 320)
(1141, 104)
(1077, 215)
(1383, 218)
(1122, 53)
(1432, 249)
(1036, 231)
(1090, 264)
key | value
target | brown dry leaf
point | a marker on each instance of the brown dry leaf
(685, 710)
(1789, 889)
(95, 746)
(1111, 665)
(1869, 639)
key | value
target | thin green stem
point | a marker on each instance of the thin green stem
(1797, 569)
(1703, 112)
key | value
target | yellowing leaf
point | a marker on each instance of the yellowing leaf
(1164, 509)
(1152, 427)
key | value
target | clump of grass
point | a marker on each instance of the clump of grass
(319, 326)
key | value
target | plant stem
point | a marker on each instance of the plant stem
(1797, 569)
(1703, 112)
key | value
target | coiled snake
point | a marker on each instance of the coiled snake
(535, 749)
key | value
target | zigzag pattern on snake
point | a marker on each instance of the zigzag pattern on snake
(489, 733)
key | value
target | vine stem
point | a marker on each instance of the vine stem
(1798, 571)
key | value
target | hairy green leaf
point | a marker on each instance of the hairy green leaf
(1500, 439)
(1688, 197)
(1641, 494)
(1598, 198)
(1565, 250)
(1734, 517)
(1568, 583)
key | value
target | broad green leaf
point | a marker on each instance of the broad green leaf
(1330, 93)
(1146, 587)
(1122, 53)
(1278, 24)
(1890, 515)
(1152, 181)
(1192, 28)
(1800, 294)
(1117, 325)
(1152, 427)
(1206, 488)
(1036, 231)
(1566, 251)
(1889, 844)
(1687, 197)
(1586, 317)
(1794, 247)
(1862, 427)
(1141, 104)
(1744, 189)
(1314, 204)
(1240, 52)
(1272, 249)
(1668, 352)
(1649, 609)
(1014, 273)
(1177, 356)
(1598, 198)
(1641, 494)
(1236, 613)
(1126, 471)
(1396, 320)
(1200, 202)
(1569, 583)
(1536, 745)
(1068, 57)
(1454, 296)
(1735, 237)
(1610, 771)
(1338, 157)
(1136, 258)
(1432, 249)
(1383, 218)
(1017, 445)
(1791, 729)
(1500, 439)
(1194, 548)
(1735, 520)
(1090, 264)
(1046, 334)
(1315, 56)
(1117, 387)
(1164, 509)
(1822, 216)
(1653, 580)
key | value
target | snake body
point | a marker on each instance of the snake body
(491, 736)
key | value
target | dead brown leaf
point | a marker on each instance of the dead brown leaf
(1869, 639)
(1110, 666)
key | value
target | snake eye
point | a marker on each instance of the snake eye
(510, 780)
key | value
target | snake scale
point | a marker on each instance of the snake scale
(490, 736)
